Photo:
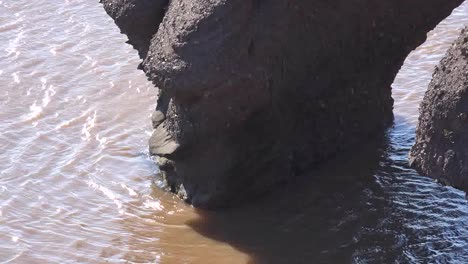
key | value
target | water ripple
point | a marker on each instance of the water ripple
(77, 184)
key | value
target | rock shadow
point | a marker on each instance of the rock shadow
(331, 215)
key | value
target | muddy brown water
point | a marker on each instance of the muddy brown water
(77, 185)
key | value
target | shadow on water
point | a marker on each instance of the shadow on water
(364, 206)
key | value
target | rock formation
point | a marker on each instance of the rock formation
(441, 149)
(254, 91)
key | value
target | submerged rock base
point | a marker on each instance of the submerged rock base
(253, 92)
(441, 148)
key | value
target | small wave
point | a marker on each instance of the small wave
(72, 121)
(16, 78)
(50, 92)
(11, 26)
(152, 204)
(130, 191)
(102, 141)
(15, 257)
(90, 123)
(36, 110)
(53, 50)
(108, 193)
(12, 47)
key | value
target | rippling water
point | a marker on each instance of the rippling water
(76, 182)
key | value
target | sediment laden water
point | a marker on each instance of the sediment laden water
(77, 185)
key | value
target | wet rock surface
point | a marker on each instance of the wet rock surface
(441, 148)
(253, 92)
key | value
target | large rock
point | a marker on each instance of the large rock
(254, 91)
(441, 148)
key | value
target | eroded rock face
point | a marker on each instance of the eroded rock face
(254, 91)
(441, 148)
(138, 19)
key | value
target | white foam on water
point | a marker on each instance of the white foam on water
(13, 44)
(50, 92)
(151, 203)
(130, 191)
(88, 126)
(35, 111)
(53, 51)
(102, 141)
(16, 77)
(108, 193)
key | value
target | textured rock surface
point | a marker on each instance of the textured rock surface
(441, 149)
(138, 19)
(254, 91)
